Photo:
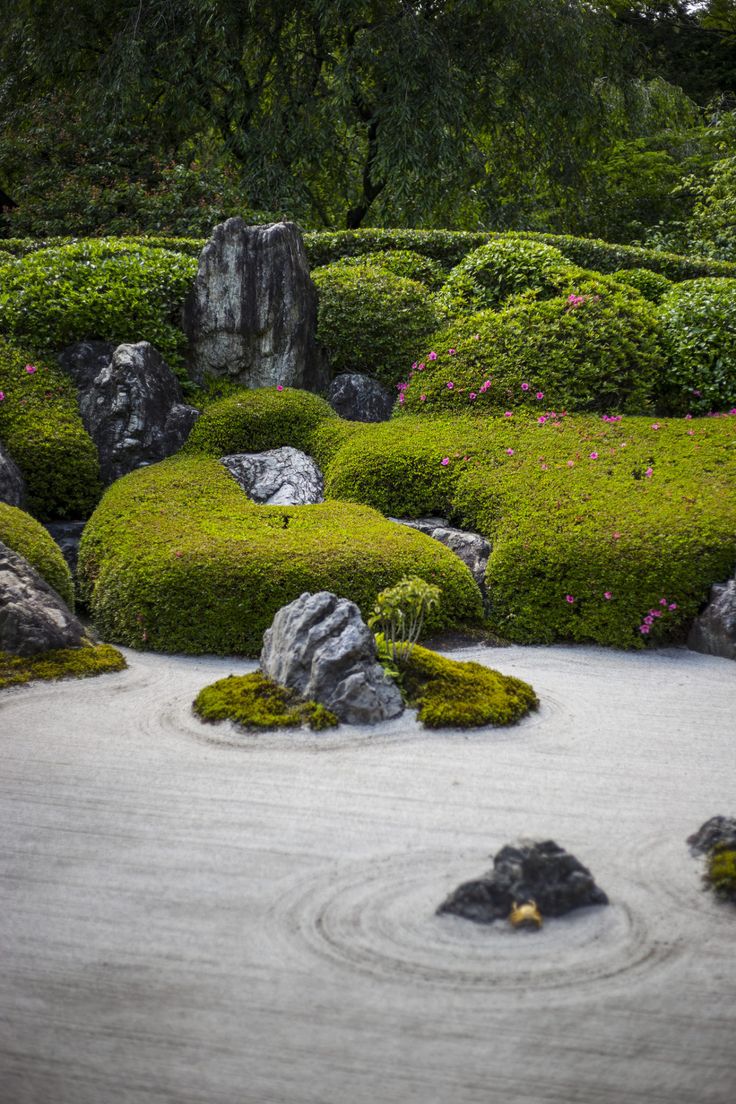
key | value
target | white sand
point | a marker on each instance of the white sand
(191, 916)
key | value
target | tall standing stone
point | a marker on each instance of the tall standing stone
(252, 313)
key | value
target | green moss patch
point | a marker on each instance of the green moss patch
(29, 539)
(721, 872)
(254, 701)
(257, 420)
(452, 694)
(42, 429)
(177, 559)
(62, 663)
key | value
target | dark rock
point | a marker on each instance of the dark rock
(67, 535)
(33, 618)
(360, 398)
(714, 631)
(719, 829)
(279, 477)
(133, 411)
(320, 646)
(527, 871)
(473, 549)
(12, 487)
(84, 361)
(252, 313)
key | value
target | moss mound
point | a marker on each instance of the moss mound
(699, 325)
(721, 872)
(42, 430)
(29, 539)
(652, 285)
(597, 348)
(603, 531)
(177, 559)
(502, 268)
(370, 320)
(254, 701)
(452, 694)
(106, 289)
(63, 663)
(257, 420)
(403, 262)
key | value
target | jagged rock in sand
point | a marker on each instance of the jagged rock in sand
(320, 646)
(717, 830)
(33, 618)
(279, 477)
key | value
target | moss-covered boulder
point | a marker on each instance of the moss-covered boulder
(29, 539)
(177, 559)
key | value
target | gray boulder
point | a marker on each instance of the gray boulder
(473, 549)
(33, 618)
(252, 312)
(360, 398)
(279, 477)
(718, 830)
(12, 487)
(320, 646)
(714, 631)
(133, 411)
(67, 535)
(84, 360)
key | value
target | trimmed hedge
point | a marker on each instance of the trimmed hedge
(29, 539)
(699, 326)
(369, 320)
(109, 290)
(597, 349)
(636, 509)
(403, 262)
(502, 268)
(607, 257)
(448, 247)
(177, 559)
(259, 419)
(652, 285)
(41, 427)
(61, 663)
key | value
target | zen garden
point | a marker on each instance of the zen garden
(368, 552)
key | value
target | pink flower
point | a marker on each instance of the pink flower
(672, 606)
(472, 396)
(616, 536)
(525, 387)
(402, 399)
(507, 414)
(477, 337)
(445, 461)
(542, 420)
(607, 595)
(509, 452)
(432, 356)
(540, 394)
(649, 473)
(414, 366)
(643, 628)
(450, 385)
(279, 387)
(569, 598)
(691, 433)
(420, 368)
(422, 398)
(663, 601)
(2, 395)
(30, 369)
(451, 352)
(655, 425)
(594, 456)
(688, 417)
(545, 467)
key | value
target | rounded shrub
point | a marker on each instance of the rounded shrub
(597, 348)
(259, 419)
(652, 285)
(699, 326)
(402, 262)
(27, 537)
(370, 320)
(104, 290)
(5, 257)
(500, 269)
(41, 427)
(177, 559)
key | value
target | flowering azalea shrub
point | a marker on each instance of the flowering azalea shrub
(604, 529)
(27, 537)
(370, 320)
(177, 559)
(504, 267)
(699, 326)
(652, 285)
(403, 262)
(41, 427)
(597, 347)
(107, 290)
(257, 420)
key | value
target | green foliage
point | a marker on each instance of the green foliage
(447, 247)
(598, 351)
(652, 285)
(29, 539)
(400, 612)
(5, 257)
(257, 420)
(636, 509)
(493, 273)
(41, 427)
(403, 262)
(105, 290)
(699, 326)
(176, 558)
(721, 871)
(449, 694)
(713, 224)
(61, 663)
(254, 701)
(605, 257)
(370, 320)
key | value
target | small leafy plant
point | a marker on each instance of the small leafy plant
(399, 615)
